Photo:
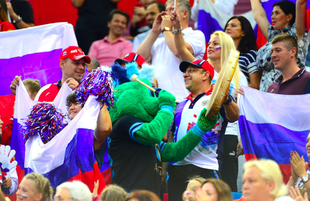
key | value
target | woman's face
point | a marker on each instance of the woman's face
(254, 187)
(26, 191)
(234, 29)
(74, 109)
(211, 191)
(308, 145)
(279, 18)
(188, 196)
(214, 48)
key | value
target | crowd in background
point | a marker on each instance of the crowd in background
(161, 35)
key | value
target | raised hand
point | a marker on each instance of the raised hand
(6, 155)
(157, 22)
(298, 164)
(295, 194)
(175, 20)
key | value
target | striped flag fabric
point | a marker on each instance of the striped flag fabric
(31, 53)
(70, 154)
(273, 125)
(211, 19)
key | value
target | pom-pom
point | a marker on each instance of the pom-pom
(97, 83)
(44, 120)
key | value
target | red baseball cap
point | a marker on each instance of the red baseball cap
(132, 57)
(74, 53)
(200, 63)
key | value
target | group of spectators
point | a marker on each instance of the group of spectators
(164, 39)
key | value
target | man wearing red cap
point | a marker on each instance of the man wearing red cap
(202, 160)
(72, 63)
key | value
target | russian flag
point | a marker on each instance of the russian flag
(31, 53)
(273, 125)
(211, 19)
(70, 154)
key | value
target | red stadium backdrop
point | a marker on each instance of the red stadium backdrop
(46, 11)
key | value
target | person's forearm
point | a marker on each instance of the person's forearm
(145, 48)
(301, 21)
(260, 16)
(182, 50)
(170, 42)
(292, 182)
(232, 111)
(20, 24)
(104, 125)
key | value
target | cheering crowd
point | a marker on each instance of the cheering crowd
(109, 137)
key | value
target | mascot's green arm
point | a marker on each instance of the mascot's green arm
(153, 132)
(177, 151)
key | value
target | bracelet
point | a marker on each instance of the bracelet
(228, 101)
(19, 19)
(176, 31)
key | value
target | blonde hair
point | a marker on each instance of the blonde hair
(193, 179)
(270, 171)
(227, 44)
(33, 85)
(113, 193)
(78, 190)
(42, 185)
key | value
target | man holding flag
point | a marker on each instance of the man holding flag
(72, 63)
(271, 129)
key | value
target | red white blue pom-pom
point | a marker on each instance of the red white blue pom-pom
(97, 83)
(44, 120)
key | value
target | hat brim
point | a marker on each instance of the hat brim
(184, 65)
(87, 58)
(121, 60)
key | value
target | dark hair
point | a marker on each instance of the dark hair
(117, 11)
(248, 41)
(161, 6)
(222, 189)
(289, 42)
(287, 7)
(142, 195)
(71, 99)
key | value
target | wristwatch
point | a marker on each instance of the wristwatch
(19, 19)
(165, 29)
(305, 178)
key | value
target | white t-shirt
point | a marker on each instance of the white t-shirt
(204, 155)
(166, 64)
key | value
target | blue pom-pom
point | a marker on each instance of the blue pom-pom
(97, 83)
(44, 120)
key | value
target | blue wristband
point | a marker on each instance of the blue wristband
(198, 131)
(167, 108)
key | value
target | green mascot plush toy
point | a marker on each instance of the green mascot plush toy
(140, 121)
